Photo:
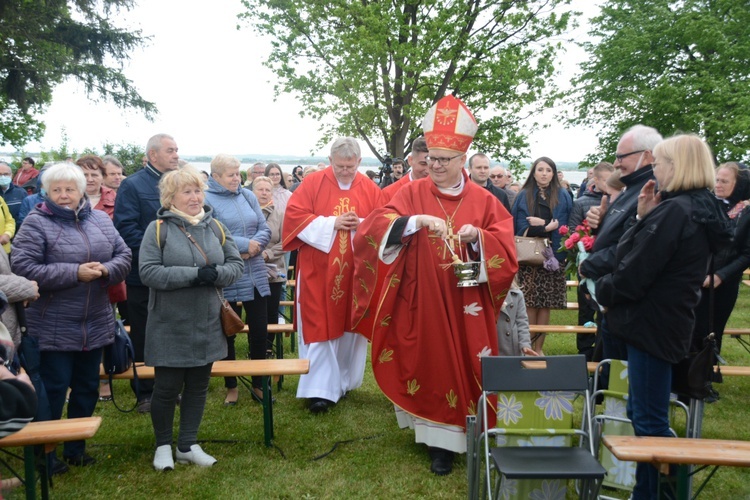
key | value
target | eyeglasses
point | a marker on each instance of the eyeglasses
(625, 155)
(442, 161)
(497, 176)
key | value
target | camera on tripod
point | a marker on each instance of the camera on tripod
(387, 167)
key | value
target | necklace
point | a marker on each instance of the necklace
(450, 237)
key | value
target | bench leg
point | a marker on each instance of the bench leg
(267, 411)
(279, 355)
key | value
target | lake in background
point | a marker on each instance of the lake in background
(572, 176)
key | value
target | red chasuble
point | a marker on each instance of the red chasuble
(428, 334)
(391, 189)
(326, 278)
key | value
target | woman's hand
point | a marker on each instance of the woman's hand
(528, 351)
(468, 233)
(89, 271)
(253, 248)
(6, 374)
(433, 224)
(648, 199)
(535, 221)
(554, 224)
(707, 281)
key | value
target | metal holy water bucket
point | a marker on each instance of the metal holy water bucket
(467, 273)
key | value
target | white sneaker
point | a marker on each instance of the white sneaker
(163, 458)
(195, 456)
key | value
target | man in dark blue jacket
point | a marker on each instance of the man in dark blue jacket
(12, 194)
(634, 160)
(479, 172)
(135, 208)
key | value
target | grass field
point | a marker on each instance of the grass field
(354, 451)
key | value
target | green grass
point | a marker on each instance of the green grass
(373, 459)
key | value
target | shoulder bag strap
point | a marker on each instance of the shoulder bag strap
(192, 240)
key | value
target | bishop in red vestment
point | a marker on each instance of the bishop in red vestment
(320, 219)
(428, 334)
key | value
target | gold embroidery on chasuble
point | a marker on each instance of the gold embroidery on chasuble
(337, 293)
(452, 399)
(386, 320)
(495, 262)
(412, 387)
(386, 356)
(472, 409)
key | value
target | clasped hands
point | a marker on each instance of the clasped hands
(89, 271)
(348, 221)
(538, 221)
(207, 275)
(467, 233)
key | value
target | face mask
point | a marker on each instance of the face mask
(5, 181)
(43, 192)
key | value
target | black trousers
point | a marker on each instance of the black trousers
(138, 315)
(256, 317)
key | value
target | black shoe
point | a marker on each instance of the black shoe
(81, 460)
(712, 397)
(442, 461)
(144, 406)
(56, 466)
(320, 405)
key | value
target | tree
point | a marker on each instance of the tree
(679, 66)
(374, 68)
(42, 43)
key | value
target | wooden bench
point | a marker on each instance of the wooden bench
(663, 451)
(241, 368)
(48, 434)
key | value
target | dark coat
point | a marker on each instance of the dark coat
(660, 265)
(620, 217)
(135, 208)
(499, 194)
(13, 197)
(561, 212)
(70, 315)
(582, 205)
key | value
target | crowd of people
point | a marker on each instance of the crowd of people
(371, 263)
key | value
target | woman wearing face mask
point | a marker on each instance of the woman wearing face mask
(541, 207)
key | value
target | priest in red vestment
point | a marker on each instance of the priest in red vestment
(428, 334)
(320, 220)
(418, 170)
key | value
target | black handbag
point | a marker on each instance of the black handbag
(694, 375)
(118, 358)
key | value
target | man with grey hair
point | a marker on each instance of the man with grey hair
(634, 159)
(320, 221)
(135, 208)
(12, 194)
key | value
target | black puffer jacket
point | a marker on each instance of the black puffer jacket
(660, 266)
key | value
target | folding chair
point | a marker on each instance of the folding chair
(534, 430)
(613, 421)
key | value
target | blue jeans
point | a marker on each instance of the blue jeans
(648, 408)
(78, 370)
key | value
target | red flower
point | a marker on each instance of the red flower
(580, 228)
(569, 243)
(563, 230)
(575, 238)
(588, 242)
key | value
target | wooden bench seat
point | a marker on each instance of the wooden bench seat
(240, 368)
(48, 434)
(533, 329)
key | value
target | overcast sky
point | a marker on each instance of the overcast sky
(214, 95)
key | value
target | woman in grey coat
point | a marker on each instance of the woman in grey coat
(184, 263)
(513, 337)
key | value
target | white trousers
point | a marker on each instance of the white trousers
(336, 366)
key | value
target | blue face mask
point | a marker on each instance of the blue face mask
(4, 181)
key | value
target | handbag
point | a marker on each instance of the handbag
(693, 376)
(118, 358)
(529, 250)
(231, 323)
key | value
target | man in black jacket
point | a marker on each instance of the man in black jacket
(479, 172)
(634, 159)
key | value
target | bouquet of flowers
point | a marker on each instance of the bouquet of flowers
(576, 244)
